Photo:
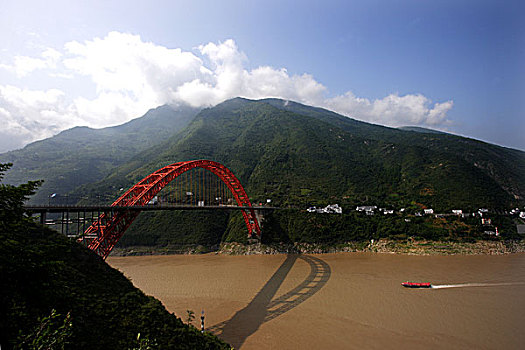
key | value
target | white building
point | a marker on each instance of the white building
(457, 211)
(329, 209)
(333, 208)
(366, 208)
(428, 211)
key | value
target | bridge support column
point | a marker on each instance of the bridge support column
(259, 216)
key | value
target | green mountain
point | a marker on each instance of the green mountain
(504, 165)
(297, 156)
(83, 155)
(300, 156)
(287, 151)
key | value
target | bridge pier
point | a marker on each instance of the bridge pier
(259, 216)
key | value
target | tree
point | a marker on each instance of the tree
(145, 344)
(12, 198)
(52, 332)
(190, 317)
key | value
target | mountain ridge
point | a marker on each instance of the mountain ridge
(82, 155)
(299, 161)
(203, 138)
(299, 156)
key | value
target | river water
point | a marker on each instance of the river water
(343, 300)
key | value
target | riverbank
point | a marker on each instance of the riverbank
(408, 247)
(411, 247)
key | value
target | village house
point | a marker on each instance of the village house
(333, 208)
(366, 208)
(329, 209)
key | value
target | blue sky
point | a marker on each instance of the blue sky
(450, 65)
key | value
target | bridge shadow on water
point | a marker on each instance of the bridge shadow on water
(264, 308)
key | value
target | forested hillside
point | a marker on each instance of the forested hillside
(299, 156)
(299, 160)
(295, 155)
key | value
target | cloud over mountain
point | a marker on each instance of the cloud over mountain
(128, 76)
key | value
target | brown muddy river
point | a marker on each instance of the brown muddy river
(344, 300)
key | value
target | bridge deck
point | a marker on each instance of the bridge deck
(101, 208)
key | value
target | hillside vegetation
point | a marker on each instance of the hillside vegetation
(299, 156)
(283, 155)
(58, 294)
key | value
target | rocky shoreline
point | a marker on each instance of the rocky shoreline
(382, 246)
(409, 247)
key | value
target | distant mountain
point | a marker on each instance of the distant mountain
(82, 155)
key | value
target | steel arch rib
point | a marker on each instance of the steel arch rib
(104, 233)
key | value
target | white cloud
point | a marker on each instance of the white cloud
(129, 76)
(28, 115)
(227, 78)
(124, 63)
(24, 65)
(393, 110)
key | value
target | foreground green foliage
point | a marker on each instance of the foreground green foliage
(12, 213)
(51, 332)
(42, 271)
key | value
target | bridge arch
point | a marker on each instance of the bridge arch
(104, 233)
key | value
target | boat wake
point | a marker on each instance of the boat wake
(463, 285)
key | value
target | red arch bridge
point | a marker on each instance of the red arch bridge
(213, 187)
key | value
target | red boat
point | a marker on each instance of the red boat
(416, 285)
